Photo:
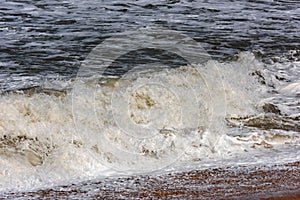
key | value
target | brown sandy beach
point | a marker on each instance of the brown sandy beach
(276, 182)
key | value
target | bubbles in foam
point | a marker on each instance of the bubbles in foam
(292, 89)
(39, 145)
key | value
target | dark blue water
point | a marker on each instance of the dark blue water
(48, 39)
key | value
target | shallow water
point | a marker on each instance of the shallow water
(240, 106)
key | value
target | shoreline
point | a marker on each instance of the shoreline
(276, 182)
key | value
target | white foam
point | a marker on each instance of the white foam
(292, 89)
(135, 124)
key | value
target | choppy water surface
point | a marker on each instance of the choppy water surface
(49, 38)
(245, 99)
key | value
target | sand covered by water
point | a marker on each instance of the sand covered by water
(242, 182)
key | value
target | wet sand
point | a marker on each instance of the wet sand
(276, 182)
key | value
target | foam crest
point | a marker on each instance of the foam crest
(137, 123)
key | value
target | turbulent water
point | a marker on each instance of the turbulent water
(240, 106)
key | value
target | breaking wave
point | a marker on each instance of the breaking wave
(149, 121)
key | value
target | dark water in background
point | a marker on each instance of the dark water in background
(48, 39)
